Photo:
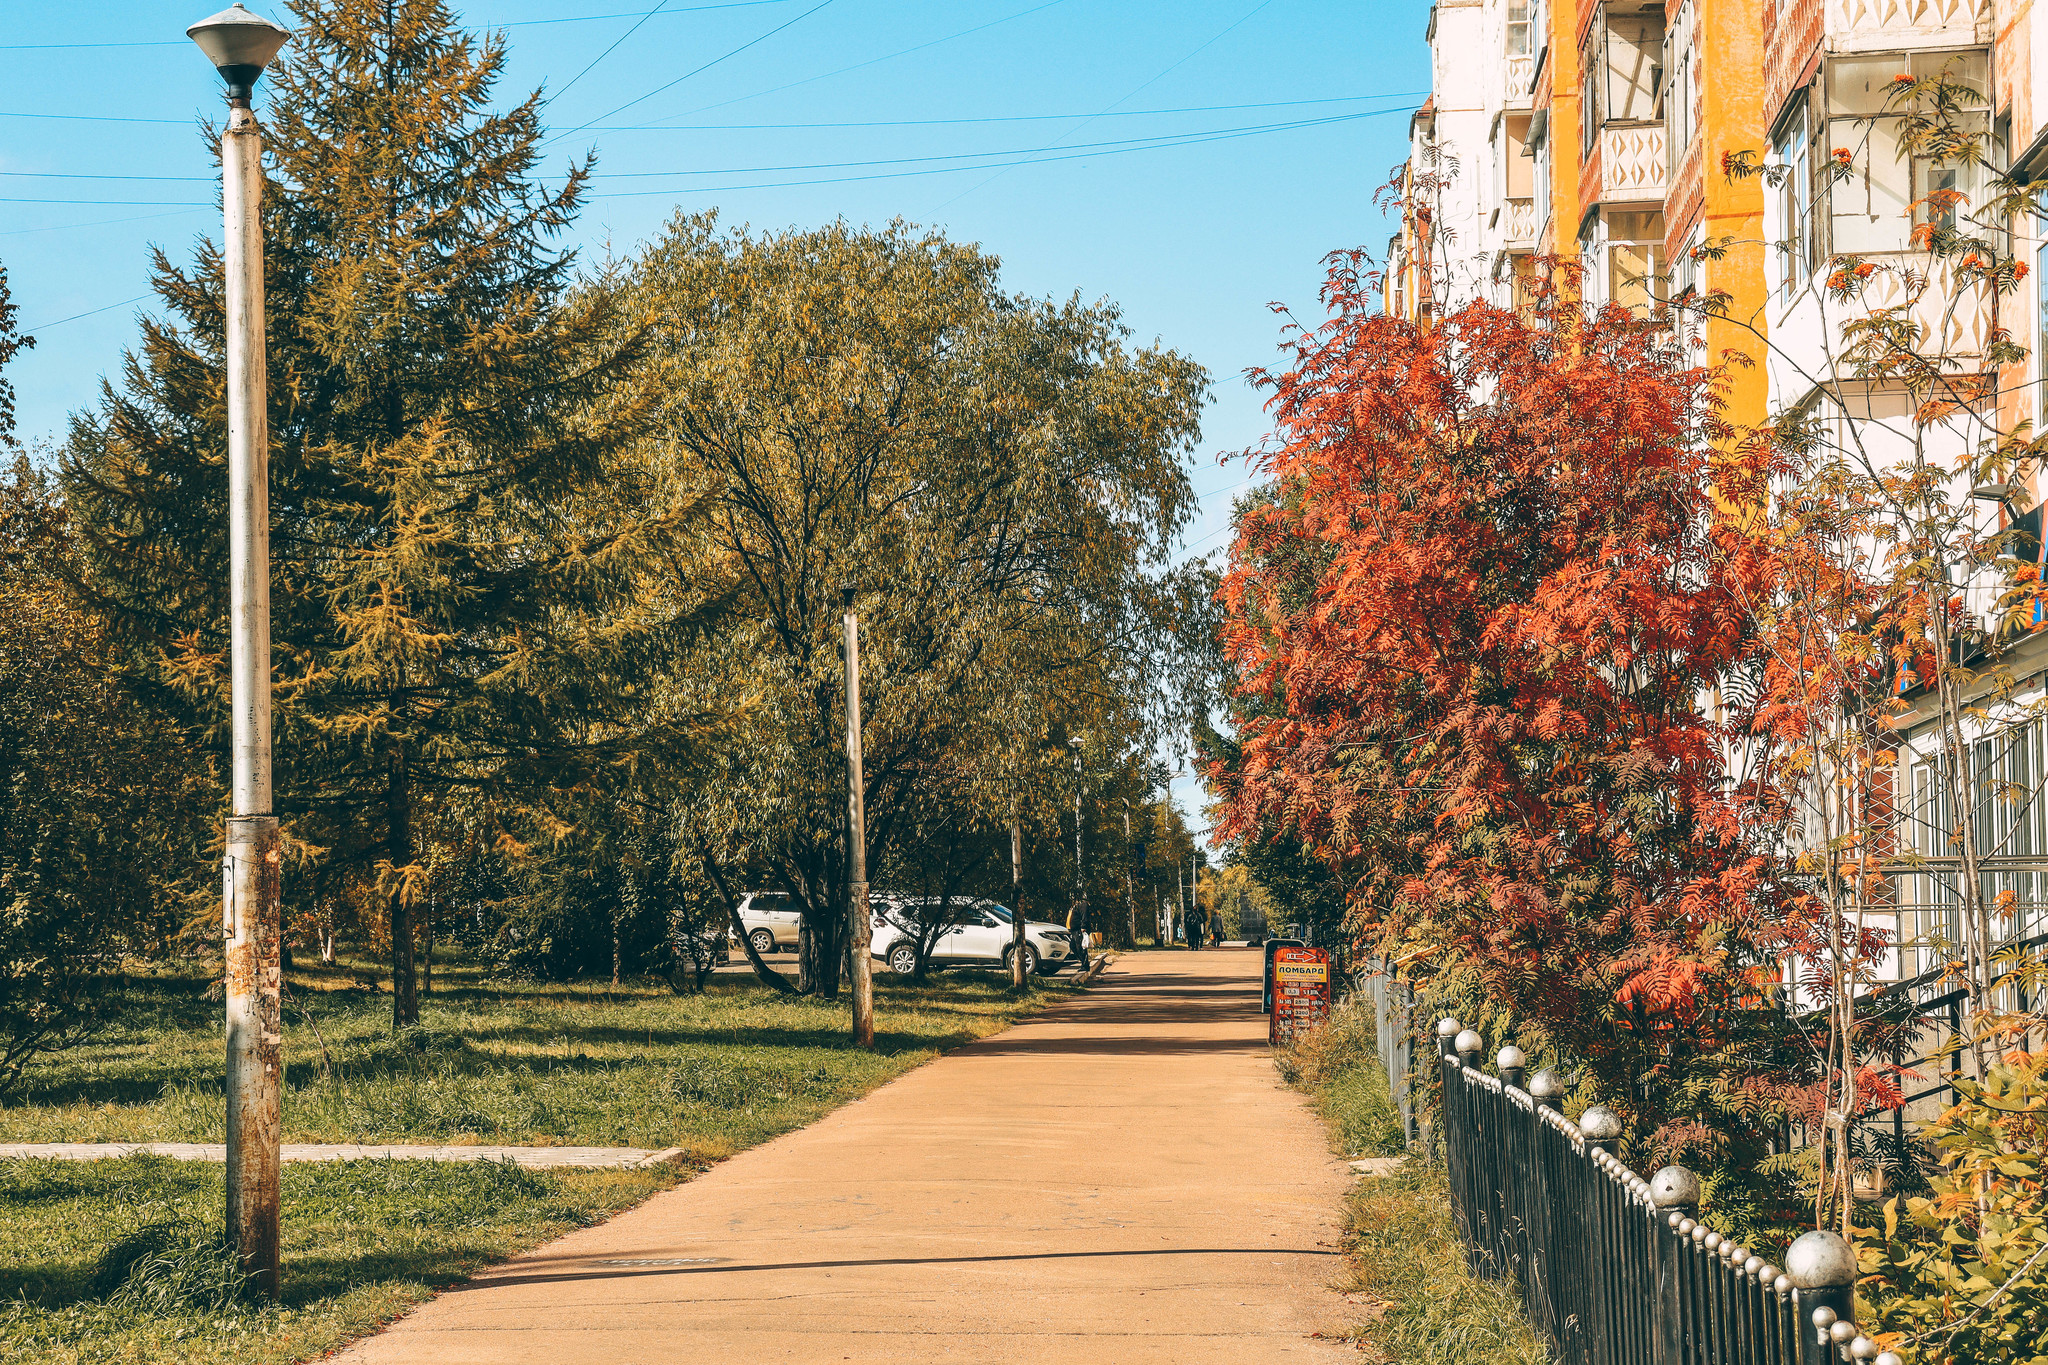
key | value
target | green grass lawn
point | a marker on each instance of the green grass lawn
(509, 1063)
(491, 1062)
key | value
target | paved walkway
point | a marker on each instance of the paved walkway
(349, 1151)
(1119, 1179)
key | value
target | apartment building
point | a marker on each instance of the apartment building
(1616, 133)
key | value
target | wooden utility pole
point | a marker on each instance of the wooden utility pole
(859, 932)
(1019, 977)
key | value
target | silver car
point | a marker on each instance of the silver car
(771, 919)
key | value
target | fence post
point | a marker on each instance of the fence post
(1601, 1128)
(1822, 1267)
(1675, 1195)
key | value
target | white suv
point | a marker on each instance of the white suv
(770, 919)
(980, 939)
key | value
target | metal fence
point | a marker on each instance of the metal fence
(1615, 1269)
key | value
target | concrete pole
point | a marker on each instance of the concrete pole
(1018, 976)
(859, 931)
(255, 1021)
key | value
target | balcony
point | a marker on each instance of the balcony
(1521, 73)
(1863, 25)
(1632, 163)
(1520, 228)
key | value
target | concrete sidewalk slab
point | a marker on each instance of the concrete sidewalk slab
(1120, 1178)
(613, 1157)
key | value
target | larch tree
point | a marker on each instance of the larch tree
(468, 576)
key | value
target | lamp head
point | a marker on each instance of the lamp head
(241, 44)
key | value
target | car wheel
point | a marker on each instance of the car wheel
(1030, 961)
(903, 959)
(763, 941)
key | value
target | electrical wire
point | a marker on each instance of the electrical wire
(97, 118)
(723, 56)
(1082, 151)
(613, 48)
(509, 23)
(1242, 19)
(46, 326)
(102, 222)
(1132, 144)
(949, 170)
(77, 175)
(872, 61)
(998, 118)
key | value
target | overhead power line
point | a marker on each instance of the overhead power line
(95, 118)
(873, 61)
(985, 166)
(508, 23)
(1032, 156)
(105, 222)
(1127, 143)
(723, 56)
(46, 326)
(613, 48)
(998, 118)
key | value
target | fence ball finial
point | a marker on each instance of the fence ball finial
(1512, 1056)
(1675, 1187)
(1546, 1087)
(1448, 1026)
(1888, 1358)
(1469, 1043)
(1862, 1348)
(1600, 1124)
(1821, 1260)
(1843, 1332)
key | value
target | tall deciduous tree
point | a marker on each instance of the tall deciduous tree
(999, 480)
(466, 574)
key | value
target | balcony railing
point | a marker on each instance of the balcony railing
(1895, 19)
(1521, 222)
(1632, 164)
(1520, 74)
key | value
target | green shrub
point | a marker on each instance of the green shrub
(1961, 1275)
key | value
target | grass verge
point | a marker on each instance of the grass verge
(120, 1261)
(1405, 1268)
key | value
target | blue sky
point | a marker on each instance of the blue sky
(1194, 240)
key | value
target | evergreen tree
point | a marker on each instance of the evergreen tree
(465, 571)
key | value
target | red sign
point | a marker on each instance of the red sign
(1301, 992)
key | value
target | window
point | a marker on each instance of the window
(1680, 86)
(1519, 36)
(1873, 208)
(1518, 159)
(1635, 44)
(1797, 245)
(1635, 261)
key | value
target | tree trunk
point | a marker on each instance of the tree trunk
(820, 942)
(427, 977)
(405, 1003)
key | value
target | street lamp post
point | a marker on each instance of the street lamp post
(241, 44)
(859, 929)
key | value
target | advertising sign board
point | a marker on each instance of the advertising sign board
(1301, 992)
